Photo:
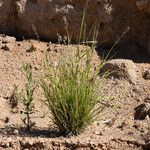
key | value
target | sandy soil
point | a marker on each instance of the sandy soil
(116, 129)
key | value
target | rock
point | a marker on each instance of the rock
(146, 146)
(8, 39)
(120, 68)
(32, 48)
(5, 10)
(6, 143)
(147, 99)
(15, 110)
(49, 49)
(108, 122)
(6, 120)
(98, 133)
(143, 110)
(7, 47)
(16, 132)
(146, 137)
(147, 75)
(46, 18)
(30, 144)
(122, 126)
(144, 5)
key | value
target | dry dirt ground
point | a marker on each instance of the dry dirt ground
(116, 129)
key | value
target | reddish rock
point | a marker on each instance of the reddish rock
(45, 19)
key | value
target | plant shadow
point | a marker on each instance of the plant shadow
(35, 132)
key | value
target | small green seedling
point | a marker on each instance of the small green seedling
(27, 97)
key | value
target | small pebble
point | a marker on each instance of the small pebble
(5, 47)
(98, 133)
(6, 120)
(16, 131)
(147, 75)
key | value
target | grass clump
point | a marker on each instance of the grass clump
(71, 88)
(26, 97)
(72, 92)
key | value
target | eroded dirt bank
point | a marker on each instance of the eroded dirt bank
(45, 19)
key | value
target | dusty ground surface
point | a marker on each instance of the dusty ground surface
(116, 129)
